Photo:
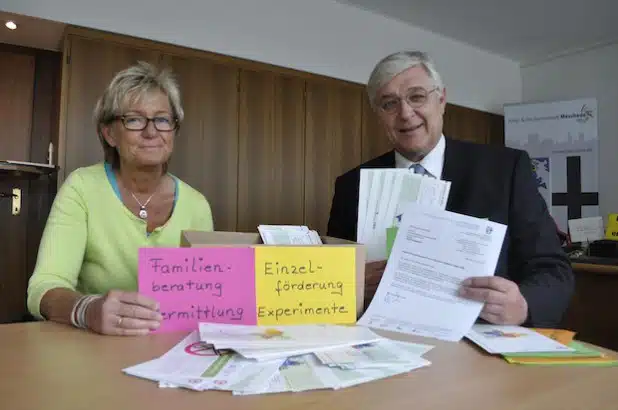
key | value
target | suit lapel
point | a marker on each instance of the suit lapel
(387, 160)
(455, 171)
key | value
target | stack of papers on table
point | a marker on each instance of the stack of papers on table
(547, 347)
(258, 360)
(384, 194)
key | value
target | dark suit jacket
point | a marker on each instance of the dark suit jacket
(496, 183)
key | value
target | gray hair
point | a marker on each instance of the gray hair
(394, 64)
(132, 84)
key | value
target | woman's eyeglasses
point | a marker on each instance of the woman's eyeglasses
(139, 122)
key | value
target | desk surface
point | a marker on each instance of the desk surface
(50, 366)
(594, 268)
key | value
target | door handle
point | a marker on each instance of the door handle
(16, 203)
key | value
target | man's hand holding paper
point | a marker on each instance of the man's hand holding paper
(504, 303)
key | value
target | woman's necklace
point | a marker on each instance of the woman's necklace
(143, 213)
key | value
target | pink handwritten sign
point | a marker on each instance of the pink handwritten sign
(195, 285)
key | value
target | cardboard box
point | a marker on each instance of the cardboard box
(200, 239)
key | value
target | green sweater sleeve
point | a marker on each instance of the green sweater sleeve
(205, 222)
(62, 246)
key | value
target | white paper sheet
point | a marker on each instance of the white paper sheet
(224, 336)
(197, 368)
(434, 251)
(586, 230)
(375, 194)
(513, 339)
(387, 353)
(288, 235)
(366, 179)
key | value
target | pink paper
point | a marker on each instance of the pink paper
(195, 285)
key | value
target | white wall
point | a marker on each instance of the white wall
(593, 73)
(319, 36)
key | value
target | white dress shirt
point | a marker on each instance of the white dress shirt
(433, 162)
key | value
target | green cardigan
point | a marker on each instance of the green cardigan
(91, 239)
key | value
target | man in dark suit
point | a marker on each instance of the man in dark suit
(533, 281)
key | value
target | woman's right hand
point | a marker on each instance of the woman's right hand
(123, 314)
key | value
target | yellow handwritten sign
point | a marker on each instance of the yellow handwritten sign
(302, 285)
(612, 227)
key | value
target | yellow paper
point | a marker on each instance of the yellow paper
(612, 227)
(559, 335)
(562, 360)
(305, 285)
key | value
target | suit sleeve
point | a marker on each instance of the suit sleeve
(544, 270)
(341, 223)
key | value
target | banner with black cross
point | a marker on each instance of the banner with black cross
(574, 199)
(561, 138)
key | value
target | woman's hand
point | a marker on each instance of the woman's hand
(123, 314)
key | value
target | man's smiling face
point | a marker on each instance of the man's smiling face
(411, 108)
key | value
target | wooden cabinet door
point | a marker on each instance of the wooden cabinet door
(91, 65)
(206, 148)
(333, 144)
(16, 91)
(271, 151)
(473, 125)
(16, 99)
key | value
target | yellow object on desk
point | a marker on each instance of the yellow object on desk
(559, 335)
(581, 356)
(611, 232)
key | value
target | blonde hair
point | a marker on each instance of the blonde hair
(132, 84)
(394, 64)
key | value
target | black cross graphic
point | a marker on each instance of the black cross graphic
(574, 198)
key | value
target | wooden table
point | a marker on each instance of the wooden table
(55, 367)
(592, 311)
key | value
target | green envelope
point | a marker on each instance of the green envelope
(391, 234)
(580, 351)
(587, 357)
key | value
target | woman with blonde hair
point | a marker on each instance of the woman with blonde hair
(86, 270)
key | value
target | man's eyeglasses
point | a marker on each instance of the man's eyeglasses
(415, 98)
(139, 122)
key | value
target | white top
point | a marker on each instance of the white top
(433, 162)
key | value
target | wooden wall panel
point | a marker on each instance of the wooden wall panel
(16, 91)
(91, 66)
(333, 144)
(206, 149)
(374, 138)
(271, 151)
(496, 129)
